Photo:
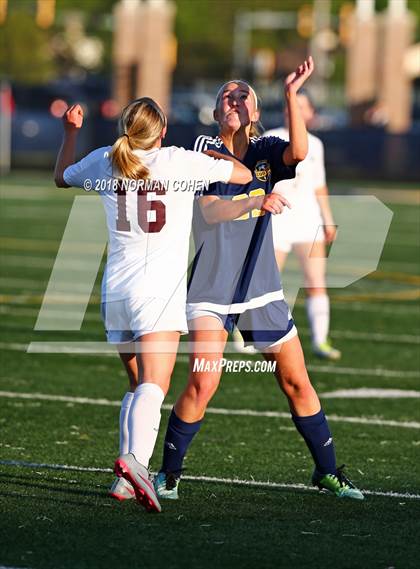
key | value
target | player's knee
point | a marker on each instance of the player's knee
(296, 384)
(202, 390)
(314, 288)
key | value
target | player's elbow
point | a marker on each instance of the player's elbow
(294, 154)
(301, 155)
(241, 175)
(298, 154)
(247, 177)
(59, 182)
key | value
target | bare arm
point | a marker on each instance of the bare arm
(297, 149)
(217, 210)
(72, 121)
(330, 228)
(240, 173)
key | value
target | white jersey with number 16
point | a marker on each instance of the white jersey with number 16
(149, 221)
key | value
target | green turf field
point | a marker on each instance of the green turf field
(253, 507)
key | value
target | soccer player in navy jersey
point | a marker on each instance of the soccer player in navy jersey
(235, 281)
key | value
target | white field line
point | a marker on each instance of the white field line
(15, 191)
(17, 311)
(376, 372)
(33, 197)
(105, 349)
(42, 262)
(36, 212)
(357, 306)
(401, 242)
(8, 567)
(367, 393)
(36, 285)
(211, 479)
(29, 260)
(213, 410)
(394, 309)
(83, 263)
(372, 336)
(346, 334)
(390, 195)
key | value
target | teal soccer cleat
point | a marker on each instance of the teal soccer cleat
(337, 483)
(326, 352)
(166, 486)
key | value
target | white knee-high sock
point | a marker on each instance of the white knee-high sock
(125, 408)
(318, 311)
(144, 420)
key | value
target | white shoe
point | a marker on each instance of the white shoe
(126, 466)
(121, 490)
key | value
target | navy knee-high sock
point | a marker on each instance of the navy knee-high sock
(179, 435)
(317, 435)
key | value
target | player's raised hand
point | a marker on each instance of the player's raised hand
(73, 117)
(274, 203)
(295, 80)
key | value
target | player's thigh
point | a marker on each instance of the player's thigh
(290, 362)
(156, 357)
(312, 259)
(207, 343)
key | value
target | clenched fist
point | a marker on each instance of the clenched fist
(73, 117)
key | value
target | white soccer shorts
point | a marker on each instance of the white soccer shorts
(291, 227)
(127, 320)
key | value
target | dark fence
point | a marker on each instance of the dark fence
(367, 153)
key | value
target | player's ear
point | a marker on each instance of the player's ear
(164, 131)
(216, 115)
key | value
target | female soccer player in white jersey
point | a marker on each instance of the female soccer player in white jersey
(148, 199)
(306, 228)
(235, 281)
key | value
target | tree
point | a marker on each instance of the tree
(24, 53)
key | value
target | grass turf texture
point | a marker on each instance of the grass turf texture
(64, 519)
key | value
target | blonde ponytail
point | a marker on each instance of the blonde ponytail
(141, 125)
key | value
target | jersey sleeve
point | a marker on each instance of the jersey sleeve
(274, 148)
(91, 167)
(209, 170)
(201, 143)
(319, 166)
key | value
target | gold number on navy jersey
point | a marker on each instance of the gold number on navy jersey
(145, 204)
(255, 212)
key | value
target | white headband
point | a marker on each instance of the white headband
(222, 88)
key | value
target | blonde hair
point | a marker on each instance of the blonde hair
(140, 126)
(256, 127)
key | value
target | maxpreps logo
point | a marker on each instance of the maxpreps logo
(262, 170)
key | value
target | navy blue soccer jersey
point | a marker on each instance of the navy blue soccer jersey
(235, 268)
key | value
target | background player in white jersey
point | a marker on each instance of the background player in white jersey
(144, 284)
(306, 228)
